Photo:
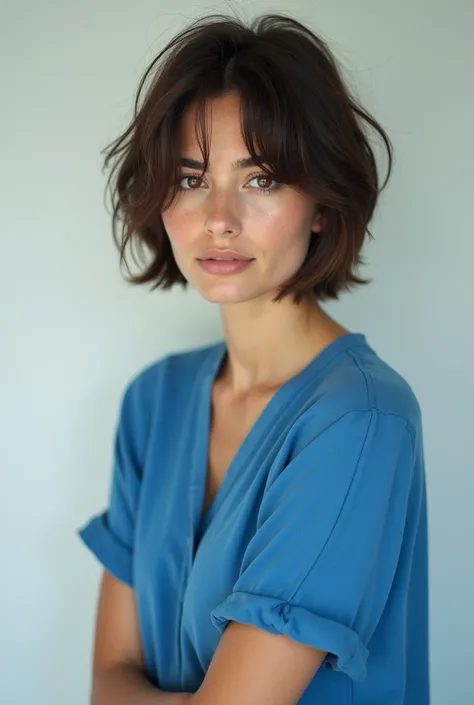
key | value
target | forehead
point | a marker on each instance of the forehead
(222, 123)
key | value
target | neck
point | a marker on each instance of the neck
(269, 343)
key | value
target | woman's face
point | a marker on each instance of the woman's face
(229, 209)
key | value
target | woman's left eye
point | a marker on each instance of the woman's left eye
(265, 177)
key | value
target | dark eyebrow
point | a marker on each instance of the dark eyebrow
(195, 164)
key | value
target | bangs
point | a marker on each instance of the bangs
(269, 130)
(274, 128)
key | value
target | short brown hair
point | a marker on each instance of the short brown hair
(298, 117)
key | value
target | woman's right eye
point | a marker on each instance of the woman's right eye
(184, 178)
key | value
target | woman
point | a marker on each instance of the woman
(265, 540)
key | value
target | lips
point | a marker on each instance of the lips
(225, 267)
(225, 259)
(225, 255)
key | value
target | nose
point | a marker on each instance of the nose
(221, 216)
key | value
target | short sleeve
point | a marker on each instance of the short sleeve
(321, 563)
(110, 534)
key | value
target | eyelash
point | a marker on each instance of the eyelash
(265, 191)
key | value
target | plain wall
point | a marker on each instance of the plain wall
(74, 332)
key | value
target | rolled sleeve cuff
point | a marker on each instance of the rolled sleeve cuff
(346, 652)
(108, 548)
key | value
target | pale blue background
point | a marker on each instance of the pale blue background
(73, 332)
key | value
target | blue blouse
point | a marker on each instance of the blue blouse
(318, 531)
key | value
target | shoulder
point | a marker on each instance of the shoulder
(356, 383)
(167, 376)
(157, 391)
(376, 385)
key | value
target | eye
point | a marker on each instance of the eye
(189, 176)
(267, 178)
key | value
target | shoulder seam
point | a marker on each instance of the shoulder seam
(371, 410)
(368, 381)
(372, 401)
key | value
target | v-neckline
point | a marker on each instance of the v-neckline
(284, 392)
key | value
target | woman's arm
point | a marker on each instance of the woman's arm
(118, 676)
(124, 684)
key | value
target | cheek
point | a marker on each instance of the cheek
(290, 252)
(287, 235)
(178, 227)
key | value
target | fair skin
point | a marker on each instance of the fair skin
(267, 345)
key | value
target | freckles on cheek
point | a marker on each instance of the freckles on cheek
(177, 225)
(268, 225)
(183, 236)
(279, 213)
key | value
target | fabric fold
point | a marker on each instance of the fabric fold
(346, 652)
(108, 548)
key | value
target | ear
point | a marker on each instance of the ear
(319, 221)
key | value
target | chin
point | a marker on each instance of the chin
(235, 295)
(222, 298)
(227, 295)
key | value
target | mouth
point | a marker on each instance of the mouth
(225, 259)
(220, 266)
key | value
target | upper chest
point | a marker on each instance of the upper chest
(232, 419)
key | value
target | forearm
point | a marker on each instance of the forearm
(122, 685)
